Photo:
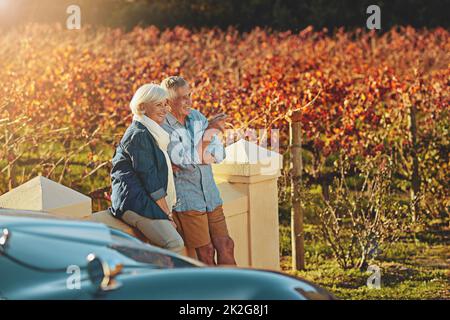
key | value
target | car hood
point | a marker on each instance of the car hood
(42, 224)
(50, 243)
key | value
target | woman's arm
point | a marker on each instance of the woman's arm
(162, 203)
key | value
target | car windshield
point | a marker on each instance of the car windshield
(157, 259)
(140, 252)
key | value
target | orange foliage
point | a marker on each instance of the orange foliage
(69, 91)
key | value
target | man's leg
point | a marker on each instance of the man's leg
(221, 240)
(225, 250)
(195, 232)
(206, 254)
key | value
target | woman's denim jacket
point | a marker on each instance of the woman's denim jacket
(138, 175)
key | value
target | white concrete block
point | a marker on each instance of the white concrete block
(42, 194)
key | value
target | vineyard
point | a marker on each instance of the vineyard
(362, 98)
(64, 97)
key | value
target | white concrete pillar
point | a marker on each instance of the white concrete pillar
(254, 170)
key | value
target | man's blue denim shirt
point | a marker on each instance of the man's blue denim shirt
(194, 183)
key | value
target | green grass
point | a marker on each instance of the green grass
(409, 269)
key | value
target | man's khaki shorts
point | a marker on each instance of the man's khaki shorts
(197, 228)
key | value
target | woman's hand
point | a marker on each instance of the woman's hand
(171, 220)
(164, 207)
(175, 168)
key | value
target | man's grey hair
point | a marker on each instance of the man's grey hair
(148, 93)
(171, 84)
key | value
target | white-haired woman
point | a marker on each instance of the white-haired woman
(143, 190)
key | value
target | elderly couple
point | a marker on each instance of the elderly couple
(162, 181)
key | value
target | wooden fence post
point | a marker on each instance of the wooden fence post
(297, 232)
(415, 175)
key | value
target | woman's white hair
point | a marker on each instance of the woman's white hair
(148, 93)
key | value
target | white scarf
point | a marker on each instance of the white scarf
(163, 139)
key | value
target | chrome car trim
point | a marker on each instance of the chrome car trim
(5, 235)
(108, 272)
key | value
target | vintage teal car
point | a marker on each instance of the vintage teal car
(45, 257)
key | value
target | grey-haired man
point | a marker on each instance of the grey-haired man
(194, 145)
